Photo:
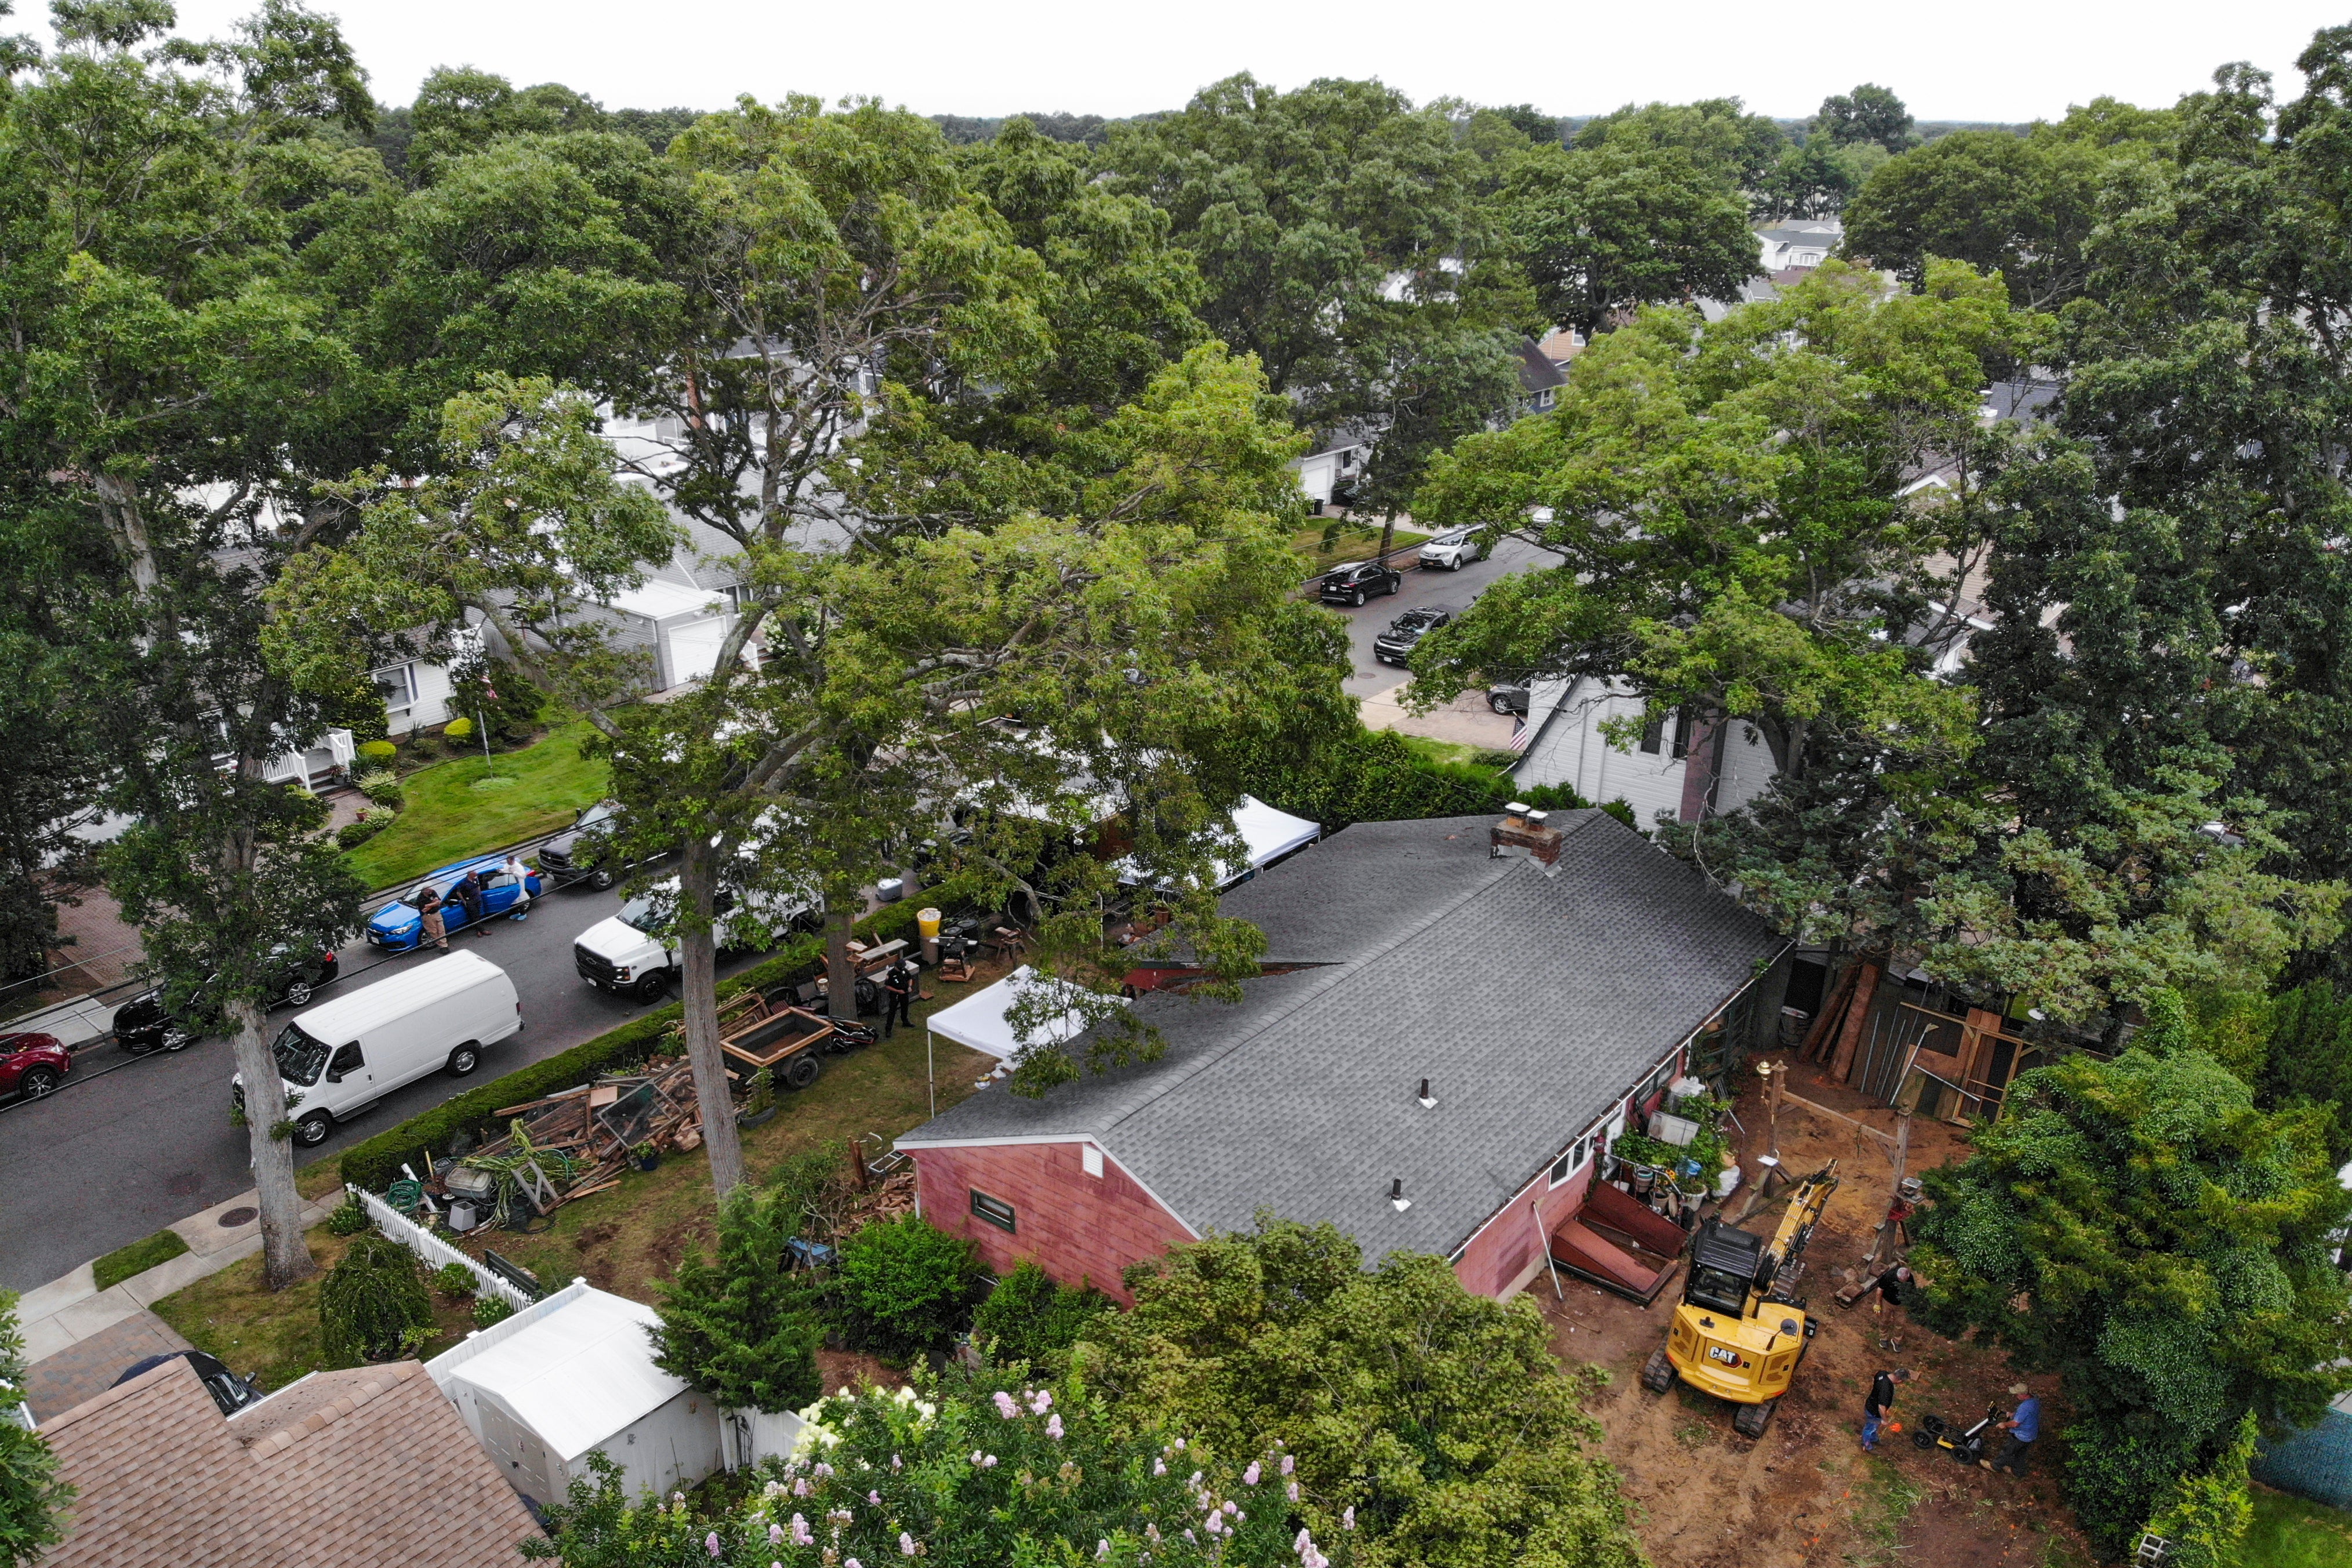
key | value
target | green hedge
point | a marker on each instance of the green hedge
(374, 1163)
(1372, 775)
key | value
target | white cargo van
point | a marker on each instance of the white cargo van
(621, 954)
(340, 1057)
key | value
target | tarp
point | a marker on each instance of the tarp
(978, 1020)
(1267, 836)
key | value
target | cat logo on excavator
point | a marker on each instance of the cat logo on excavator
(1740, 1332)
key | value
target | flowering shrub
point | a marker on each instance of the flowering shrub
(977, 1478)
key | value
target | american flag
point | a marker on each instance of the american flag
(1520, 734)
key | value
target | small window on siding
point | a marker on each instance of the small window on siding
(1654, 732)
(1568, 1164)
(1091, 1158)
(991, 1211)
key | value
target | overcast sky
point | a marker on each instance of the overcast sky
(1993, 59)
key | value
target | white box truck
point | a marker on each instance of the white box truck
(340, 1057)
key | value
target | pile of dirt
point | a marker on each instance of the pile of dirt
(1805, 1493)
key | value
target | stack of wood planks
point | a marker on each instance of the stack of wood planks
(599, 1123)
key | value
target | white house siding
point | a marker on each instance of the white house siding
(428, 705)
(1569, 749)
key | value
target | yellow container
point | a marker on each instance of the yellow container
(927, 923)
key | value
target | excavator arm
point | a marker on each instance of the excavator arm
(1787, 1243)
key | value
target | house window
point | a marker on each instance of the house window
(991, 1211)
(1568, 1164)
(398, 685)
(1654, 732)
(1684, 722)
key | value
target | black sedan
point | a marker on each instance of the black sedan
(229, 1391)
(1395, 645)
(1354, 585)
(141, 1024)
(1507, 697)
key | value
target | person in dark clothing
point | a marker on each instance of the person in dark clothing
(2018, 1433)
(897, 998)
(1881, 1400)
(469, 894)
(1891, 1284)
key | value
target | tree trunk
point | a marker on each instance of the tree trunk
(840, 974)
(1387, 535)
(285, 1256)
(697, 959)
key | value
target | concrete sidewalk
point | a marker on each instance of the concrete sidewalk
(1465, 721)
(71, 1309)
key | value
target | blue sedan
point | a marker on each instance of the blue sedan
(399, 928)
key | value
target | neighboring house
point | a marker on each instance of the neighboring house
(572, 1375)
(1680, 766)
(415, 695)
(1540, 377)
(1563, 345)
(1458, 1015)
(1801, 243)
(1329, 474)
(341, 1469)
(680, 629)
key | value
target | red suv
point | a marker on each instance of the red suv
(32, 1065)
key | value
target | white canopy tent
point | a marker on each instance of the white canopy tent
(978, 1020)
(1267, 836)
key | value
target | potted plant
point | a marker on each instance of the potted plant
(645, 1157)
(759, 1100)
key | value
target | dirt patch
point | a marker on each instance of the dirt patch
(1805, 1493)
(854, 1370)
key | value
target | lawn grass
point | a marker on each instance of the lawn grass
(2290, 1533)
(1454, 754)
(1333, 541)
(622, 1240)
(469, 806)
(138, 1258)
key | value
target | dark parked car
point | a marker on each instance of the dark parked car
(141, 1025)
(1395, 645)
(583, 853)
(1354, 585)
(230, 1392)
(31, 1066)
(1506, 697)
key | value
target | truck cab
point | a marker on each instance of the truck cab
(630, 954)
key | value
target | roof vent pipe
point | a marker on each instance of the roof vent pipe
(1397, 1200)
(1427, 1104)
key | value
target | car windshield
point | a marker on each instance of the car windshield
(301, 1058)
(641, 913)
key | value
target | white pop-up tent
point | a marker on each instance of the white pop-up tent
(1267, 836)
(978, 1020)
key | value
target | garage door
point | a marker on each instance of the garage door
(690, 648)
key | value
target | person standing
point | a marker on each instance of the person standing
(428, 906)
(895, 995)
(521, 874)
(2023, 1426)
(469, 894)
(1890, 1287)
(1881, 1401)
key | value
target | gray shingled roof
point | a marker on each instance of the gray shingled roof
(1530, 1000)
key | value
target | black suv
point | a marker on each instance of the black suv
(1354, 585)
(140, 1025)
(583, 851)
(1395, 645)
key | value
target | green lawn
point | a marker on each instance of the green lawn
(469, 807)
(1334, 542)
(2289, 1533)
(138, 1258)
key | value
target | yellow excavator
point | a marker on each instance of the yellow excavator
(1740, 1332)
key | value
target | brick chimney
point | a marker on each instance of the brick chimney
(1523, 827)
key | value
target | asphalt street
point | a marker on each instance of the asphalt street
(128, 1144)
(1433, 586)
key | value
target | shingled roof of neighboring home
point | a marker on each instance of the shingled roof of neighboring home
(344, 1469)
(1530, 998)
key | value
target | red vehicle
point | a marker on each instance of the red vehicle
(31, 1066)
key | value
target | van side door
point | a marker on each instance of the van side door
(354, 1079)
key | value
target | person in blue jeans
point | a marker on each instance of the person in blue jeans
(2020, 1431)
(1881, 1400)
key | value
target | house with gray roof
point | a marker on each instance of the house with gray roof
(1455, 1017)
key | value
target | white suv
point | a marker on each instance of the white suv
(1453, 548)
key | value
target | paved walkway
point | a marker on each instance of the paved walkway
(74, 1332)
(1467, 720)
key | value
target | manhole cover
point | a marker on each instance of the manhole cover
(185, 1185)
(238, 1217)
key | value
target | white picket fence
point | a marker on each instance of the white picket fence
(432, 1248)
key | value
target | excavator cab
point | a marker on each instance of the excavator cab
(1738, 1333)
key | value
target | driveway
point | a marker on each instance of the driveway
(128, 1144)
(1433, 586)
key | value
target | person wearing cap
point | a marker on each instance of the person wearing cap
(1881, 1400)
(2023, 1426)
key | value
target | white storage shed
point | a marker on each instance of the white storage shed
(572, 1375)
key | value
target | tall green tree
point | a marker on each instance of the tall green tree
(33, 1501)
(1868, 114)
(2139, 1226)
(1717, 134)
(1621, 225)
(740, 1324)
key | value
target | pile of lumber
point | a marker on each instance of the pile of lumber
(598, 1123)
(890, 1197)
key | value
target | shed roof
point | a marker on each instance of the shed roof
(656, 600)
(574, 1376)
(361, 1467)
(1532, 999)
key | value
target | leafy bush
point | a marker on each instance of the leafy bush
(1373, 776)
(383, 788)
(349, 1218)
(740, 1325)
(2206, 1515)
(458, 729)
(378, 751)
(32, 1498)
(372, 1305)
(491, 1308)
(1049, 1476)
(904, 1288)
(374, 1163)
(1029, 1318)
(456, 1281)
(358, 831)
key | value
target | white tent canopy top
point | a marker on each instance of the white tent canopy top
(978, 1020)
(1267, 836)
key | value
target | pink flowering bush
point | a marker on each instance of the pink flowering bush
(970, 1476)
